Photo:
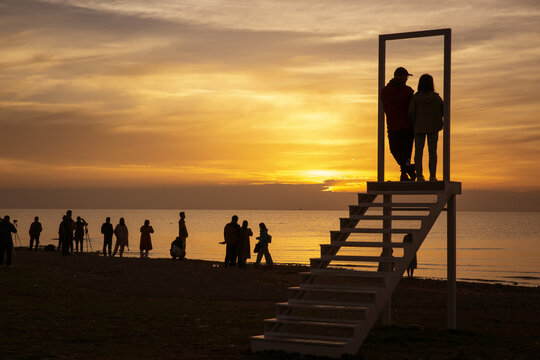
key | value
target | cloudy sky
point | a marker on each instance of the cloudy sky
(141, 94)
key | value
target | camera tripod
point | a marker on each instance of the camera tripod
(87, 239)
(18, 239)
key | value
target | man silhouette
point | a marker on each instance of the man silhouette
(34, 232)
(231, 233)
(396, 97)
(107, 231)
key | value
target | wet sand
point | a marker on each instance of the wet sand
(90, 307)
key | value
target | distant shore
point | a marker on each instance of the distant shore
(85, 306)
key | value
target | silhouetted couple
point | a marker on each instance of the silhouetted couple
(410, 118)
(65, 233)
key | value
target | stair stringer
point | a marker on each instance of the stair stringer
(393, 278)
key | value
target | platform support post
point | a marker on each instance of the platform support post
(387, 252)
(380, 126)
(451, 262)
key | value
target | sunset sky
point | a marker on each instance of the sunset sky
(105, 94)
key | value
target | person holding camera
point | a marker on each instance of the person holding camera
(79, 233)
(6, 240)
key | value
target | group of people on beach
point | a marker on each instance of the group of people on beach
(70, 230)
(238, 247)
(73, 234)
(411, 118)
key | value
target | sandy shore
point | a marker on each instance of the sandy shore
(90, 307)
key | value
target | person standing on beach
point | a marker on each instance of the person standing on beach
(264, 239)
(231, 234)
(182, 231)
(6, 240)
(34, 232)
(121, 232)
(107, 231)
(69, 215)
(66, 234)
(426, 112)
(146, 241)
(407, 239)
(396, 97)
(79, 233)
(244, 246)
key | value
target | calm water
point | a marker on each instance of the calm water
(498, 247)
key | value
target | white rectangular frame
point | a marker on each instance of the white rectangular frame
(447, 33)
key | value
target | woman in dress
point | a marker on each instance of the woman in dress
(146, 241)
(264, 239)
(121, 232)
(244, 247)
(426, 112)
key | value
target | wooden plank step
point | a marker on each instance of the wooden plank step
(342, 288)
(313, 322)
(321, 319)
(347, 290)
(354, 209)
(354, 278)
(358, 258)
(366, 244)
(373, 231)
(301, 305)
(332, 349)
(341, 272)
(398, 205)
(329, 302)
(384, 217)
(274, 334)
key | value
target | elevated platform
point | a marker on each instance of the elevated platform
(413, 187)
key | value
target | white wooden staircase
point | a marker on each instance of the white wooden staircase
(333, 309)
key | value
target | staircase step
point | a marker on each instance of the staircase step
(322, 312)
(366, 244)
(355, 209)
(396, 204)
(313, 322)
(358, 258)
(342, 272)
(384, 217)
(355, 278)
(332, 294)
(277, 335)
(342, 288)
(329, 302)
(348, 320)
(298, 345)
(336, 235)
(323, 306)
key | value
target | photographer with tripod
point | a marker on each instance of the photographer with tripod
(6, 240)
(80, 225)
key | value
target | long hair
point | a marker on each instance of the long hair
(425, 83)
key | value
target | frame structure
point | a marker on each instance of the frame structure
(447, 33)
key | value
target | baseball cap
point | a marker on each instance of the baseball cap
(400, 71)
